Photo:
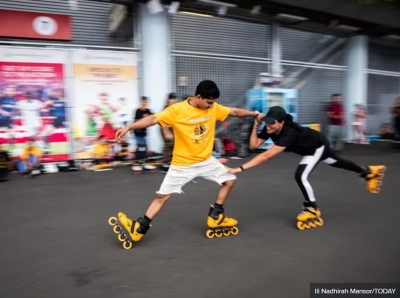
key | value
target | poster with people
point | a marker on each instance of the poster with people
(33, 105)
(105, 95)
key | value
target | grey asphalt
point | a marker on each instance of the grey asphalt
(55, 240)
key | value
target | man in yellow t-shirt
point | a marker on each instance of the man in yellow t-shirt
(193, 122)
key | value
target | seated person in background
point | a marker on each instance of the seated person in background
(385, 132)
(5, 164)
(102, 153)
(123, 154)
(30, 159)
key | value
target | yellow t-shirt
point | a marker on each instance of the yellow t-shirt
(194, 130)
(27, 152)
(101, 150)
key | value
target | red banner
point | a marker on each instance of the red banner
(33, 106)
(24, 24)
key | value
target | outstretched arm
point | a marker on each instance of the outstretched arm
(259, 159)
(142, 123)
(235, 112)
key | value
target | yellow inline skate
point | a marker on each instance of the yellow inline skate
(219, 224)
(309, 218)
(135, 229)
(374, 176)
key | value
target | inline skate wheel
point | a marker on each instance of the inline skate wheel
(319, 222)
(226, 233)
(127, 245)
(312, 224)
(375, 190)
(121, 237)
(117, 229)
(112, 221)
(301, 225)
(218, 234)
(210, 234)
(234, 231)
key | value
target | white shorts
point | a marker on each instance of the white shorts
(177, 176)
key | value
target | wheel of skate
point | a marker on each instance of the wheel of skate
(383, 169)
(226, 233)
(234, 231)
(210, 234)
(112, 221)
(312, 224)
(375, 190)
(117, 229)
(319, 222)
(378, 182)
(218, 234)
(127, 245)
(301, 226)
(380, 176)
(121, 237)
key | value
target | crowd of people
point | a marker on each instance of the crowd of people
(105, 153)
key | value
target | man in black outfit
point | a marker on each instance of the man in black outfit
(140, 134)
(314, 147)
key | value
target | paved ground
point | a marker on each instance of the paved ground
(56, 242)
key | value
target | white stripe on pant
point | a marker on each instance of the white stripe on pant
(306, 166)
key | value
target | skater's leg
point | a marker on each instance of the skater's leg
(156, 206)
(306, 166)
(214, 171)
(334, 160)
(173, 182)
(224, 191)
(372, 174)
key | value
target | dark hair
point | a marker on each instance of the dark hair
(336, 95)
(207, 89)
(144, 98)
(289, 122)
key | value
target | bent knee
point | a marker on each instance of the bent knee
(229, 183)
(162, 197)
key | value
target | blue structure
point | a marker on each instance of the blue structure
(261, 99)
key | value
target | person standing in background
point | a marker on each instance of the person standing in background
(168, 135)
(142, 112)
(335, 112)
(360, 115)
(395, 111)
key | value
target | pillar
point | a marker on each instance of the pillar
(155, 67)
(355, 79)
(275, 50)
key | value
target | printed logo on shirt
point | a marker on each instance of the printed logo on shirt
(199, 120)
(199, 132)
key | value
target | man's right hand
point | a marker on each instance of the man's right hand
(119, 136)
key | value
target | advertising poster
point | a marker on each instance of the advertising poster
(33, 105)
(105, 96)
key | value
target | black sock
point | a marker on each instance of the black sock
(218, 206)
(310, 204)
(147, 219)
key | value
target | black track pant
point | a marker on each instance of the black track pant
(308, 164)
